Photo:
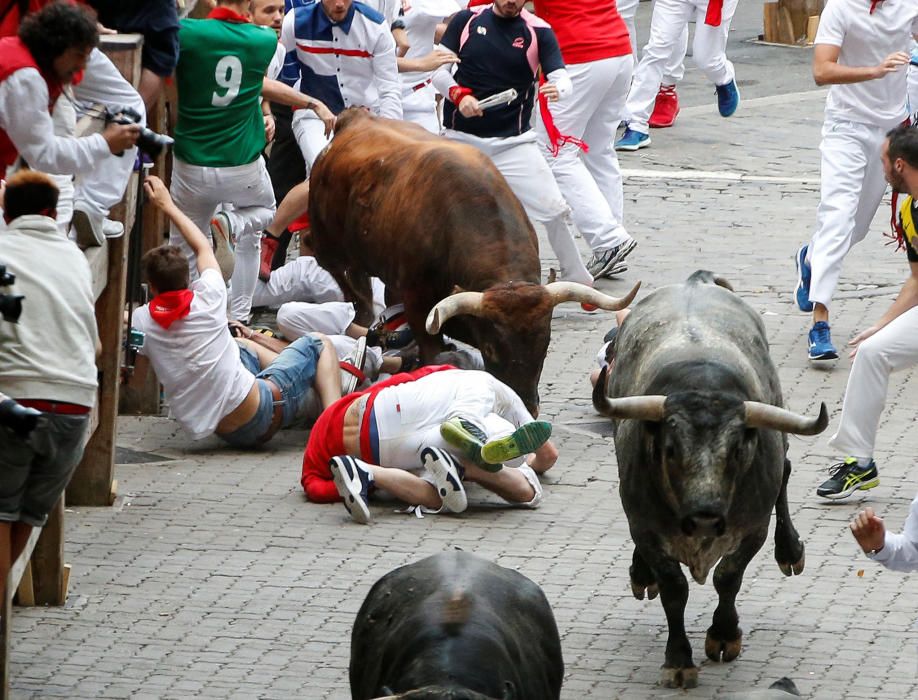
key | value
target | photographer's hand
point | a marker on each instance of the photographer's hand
(120, 137)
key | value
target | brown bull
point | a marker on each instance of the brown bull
(437, 222)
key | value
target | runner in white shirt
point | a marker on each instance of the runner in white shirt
(862, 52)
(894, 550)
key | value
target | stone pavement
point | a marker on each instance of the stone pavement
(212, 577)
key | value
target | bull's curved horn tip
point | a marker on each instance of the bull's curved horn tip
(633, 293)
(433, 322)
(822, 422)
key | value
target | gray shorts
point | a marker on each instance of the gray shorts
(34, 472)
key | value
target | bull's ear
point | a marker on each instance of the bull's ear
(457, 289)
(509, 691)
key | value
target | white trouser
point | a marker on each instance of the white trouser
(591, 182)
(103, 187)
(297, 318)
(670, 18)
(852, 188)
(891, 349)
(309, 133)
(674, 68)
(525, 170)
(64, 120)
(301, 279)
(427, 118)
(199, 191)
(420, 107)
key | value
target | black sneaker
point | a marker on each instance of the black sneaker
(848, 477)
(353, 478)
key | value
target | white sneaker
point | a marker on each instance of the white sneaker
(88, 229)
(448, 481)
(352, 372)
(112, 229)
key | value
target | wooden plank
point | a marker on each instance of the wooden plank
(25, 593)
(92, 481)
(6, 613)
(124, 50)
(48, 559)
(785, 27)
(770, 21)
(812, 26)
(98, 265)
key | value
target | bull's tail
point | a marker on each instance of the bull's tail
(708, 277)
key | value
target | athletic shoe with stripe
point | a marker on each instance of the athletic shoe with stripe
(447, 475)
(847, 477)
(224, 244)
(525, 439)
(464, 435)
(352, 479)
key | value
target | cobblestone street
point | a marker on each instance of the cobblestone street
(213, 577)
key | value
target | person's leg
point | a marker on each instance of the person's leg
(103, 187)
(627, 9)
(294, 204)
(669, 19)
(845, 162)
(600, 89)
(513, 484)
(297, 318)
(891, 349)
(531, 180)
(674, 70)
(310, 136)
(302, 279)
(195, 191)
(406, 486)
(710, 43)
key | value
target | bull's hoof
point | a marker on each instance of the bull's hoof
(724, 650)
(652, 591)
(686, 677)
(794, 569)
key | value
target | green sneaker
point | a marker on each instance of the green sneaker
(847, 477)
(525, 439)
(469, 438)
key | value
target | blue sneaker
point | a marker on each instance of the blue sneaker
(728, 99)
(352, 479)
(632, 140)
(820, 339)
(802, 290)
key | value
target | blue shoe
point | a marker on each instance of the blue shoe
(632, 140)
(820, 339)
(804, 273)
(728, 99)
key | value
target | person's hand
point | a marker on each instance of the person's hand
(325, 114)
(891, 64)
(856, 341)
(869, 531)
(105, 30)
(435, 59)
(269, 127)
(550, 92)
(401, 41)
(120, 137)
(157, 192)
(239, 330)
(468, 107)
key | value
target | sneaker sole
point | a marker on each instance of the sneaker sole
(635, 147)
(808, 306)
(525, 439)
(470, 446)
(353, 501)
(449, 486)
(841, 495)
(350, 381)
(823, 357)
(223, 250)
(85, 234)
(615, 266)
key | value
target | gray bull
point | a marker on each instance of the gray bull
(700, 437)
(455, 627)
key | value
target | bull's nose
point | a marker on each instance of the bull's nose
(704, 525)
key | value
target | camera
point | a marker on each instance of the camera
(149, 141)
(18, 418)
(10, 304)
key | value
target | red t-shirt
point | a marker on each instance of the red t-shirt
(326, 439)
(587, 30)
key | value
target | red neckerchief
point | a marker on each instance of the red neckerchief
(873, 5)
(169, 307)
(227, 15)
(714, 14)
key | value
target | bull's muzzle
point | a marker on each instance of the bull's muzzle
(704, 524)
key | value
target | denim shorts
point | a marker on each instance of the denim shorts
(35, 471)
(293, 372)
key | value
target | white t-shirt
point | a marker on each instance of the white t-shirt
(421, 20)
(866, 40)
(196, 359)
(277, 63)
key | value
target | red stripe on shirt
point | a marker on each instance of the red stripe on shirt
(357, 53)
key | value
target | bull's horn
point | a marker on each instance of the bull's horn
(461, 303)
(572, 291)
(763, 415)
(636, 407)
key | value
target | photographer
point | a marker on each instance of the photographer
(47, 359)
(51, 50)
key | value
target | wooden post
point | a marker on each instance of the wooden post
(770, 20)
(812, 26)
(48, 560)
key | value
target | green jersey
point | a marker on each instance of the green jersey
(219, 77)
